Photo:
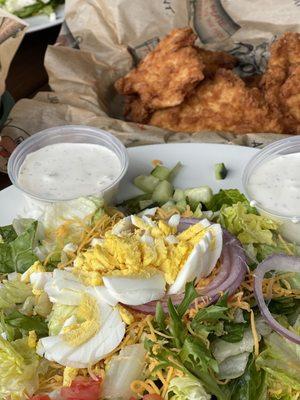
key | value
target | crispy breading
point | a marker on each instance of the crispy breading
(135, 110)
(252, 80)
(167, 74)
(222, 104)
(213, 60)
(281, 81)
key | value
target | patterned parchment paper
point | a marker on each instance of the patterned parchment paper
(102, 39)
(12, 30)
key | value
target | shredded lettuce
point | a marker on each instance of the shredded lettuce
(17, 253)
(187, 388)
(122, 370)
(59, 314)
(227, 197)
(258, 234)
(7, 233)
(39, 7)
(251, 385)
(13, 292)
(18, 369)
(281, 361)
(63, 223)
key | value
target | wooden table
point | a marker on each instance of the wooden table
(27, 74)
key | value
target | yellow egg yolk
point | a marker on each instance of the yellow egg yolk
(139, 252)
(87, 324)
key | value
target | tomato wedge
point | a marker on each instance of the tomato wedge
(152, 397)
(82, 388)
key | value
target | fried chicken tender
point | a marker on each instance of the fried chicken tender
(135, 110)
(222, 104)
(213, 60)
(281, 81)
(167, 74)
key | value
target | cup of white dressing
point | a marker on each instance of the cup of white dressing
(67, 162)
(271, 183)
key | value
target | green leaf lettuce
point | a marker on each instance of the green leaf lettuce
(18, 369)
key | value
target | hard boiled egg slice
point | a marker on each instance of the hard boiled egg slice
(86, 337)
(202, 259)
(64, 288)
(134, 291)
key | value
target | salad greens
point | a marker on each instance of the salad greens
(13, 292)
(19, 365)
(213, 349)
(17, 251)
(187, 388)
(35, 7)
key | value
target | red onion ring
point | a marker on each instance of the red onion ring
(186, 223)
(276, 262)
(232, 272)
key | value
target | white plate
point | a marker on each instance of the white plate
(198, 160)
(39, 22)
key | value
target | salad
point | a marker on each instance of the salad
(175, 294)
(29, 8)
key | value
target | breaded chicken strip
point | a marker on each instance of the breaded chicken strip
(281, 81)
(213, 60)
(222, 104)
(135, 110)
(167, 74)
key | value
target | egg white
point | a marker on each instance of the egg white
(108, 337)
(135, 290)
(202, 259)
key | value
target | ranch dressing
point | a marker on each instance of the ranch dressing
(274, 188)
(275, 185)
(66, 171)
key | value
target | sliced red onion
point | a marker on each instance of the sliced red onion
(232, 272)
(185, 223)
(280, 263)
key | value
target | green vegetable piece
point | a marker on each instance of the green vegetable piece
(220, 171)
(23, 322)
(13, 292)
(132, 205)
(198, 211)
(19, 368)
(201, 194)
(146, 183)
(161, 172)
(160, 317)
(251, 385)
(163, 192)
(181, 205)
(145, 204)
(187, 388)
(226, 197)
(168, 205)
(178, 195)
(174, 172)
(7, 233)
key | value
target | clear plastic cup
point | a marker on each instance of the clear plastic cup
(289, 224)
(67, 134)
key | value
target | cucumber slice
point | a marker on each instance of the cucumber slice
(201, 194)
(133, 205)
(198, 211)
(169, 204)
(174, 171)
(161, 172)
(146, 183)
(181, 205)
(145, 204)
(220, 171)
(178, 195)
(163, 192)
